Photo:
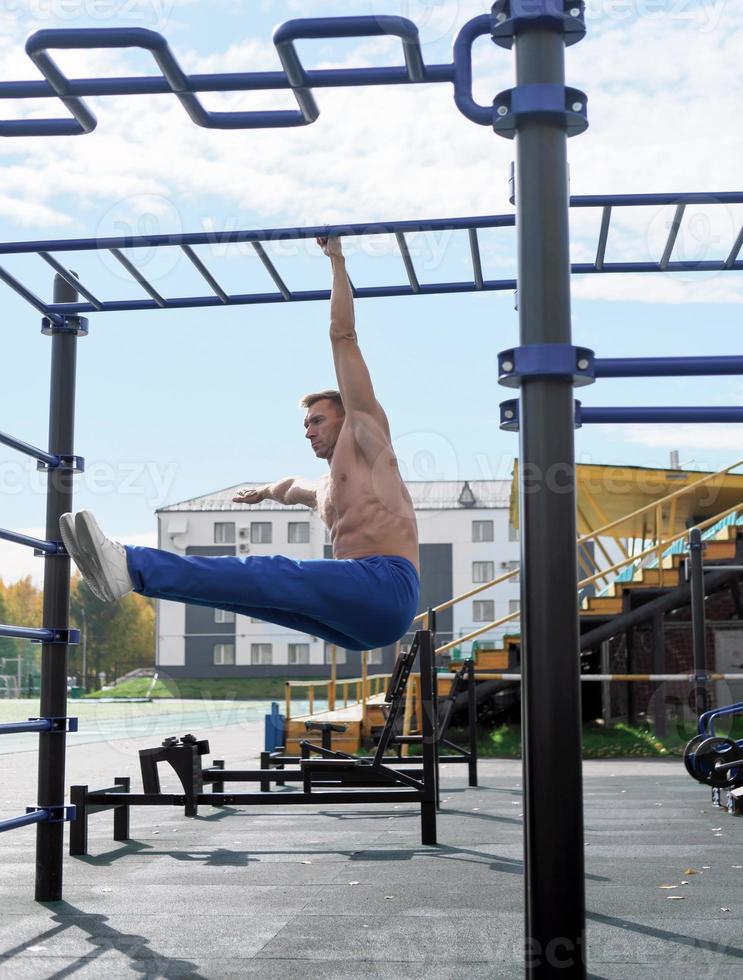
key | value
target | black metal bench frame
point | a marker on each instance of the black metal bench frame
(337, 779)
(463, 680)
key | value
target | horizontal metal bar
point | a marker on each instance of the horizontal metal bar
(28, 450)
(228, 82)
(272, 270)
(666, 367)
(323, 798)
(136, 274)
(70, 278)
(25, 633)
(662, 414)
(624, 678)
(38, 816)
(194, 258)
(720, 568)
(250, 299)
(259, 235)
(48, 547)
(646, 200)
(13, 727)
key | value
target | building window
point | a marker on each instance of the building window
(482, 531)
(514, 605)
(483, 611)
(513, 533)
(299, 653)
(374, 658)
(224, 533)
(509, 567)
(299, 532)
(261, 653)
(260, 532)
(223, 616)
(224, 653)
(340, 654)
(483, 571)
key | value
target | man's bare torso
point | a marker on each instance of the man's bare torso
(363, 501)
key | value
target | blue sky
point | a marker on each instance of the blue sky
(174, 404)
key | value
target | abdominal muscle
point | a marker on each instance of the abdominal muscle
(367, 509)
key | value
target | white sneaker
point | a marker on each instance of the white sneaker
(69, 539)
(107, 557)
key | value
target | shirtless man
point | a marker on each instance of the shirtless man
(366, 595)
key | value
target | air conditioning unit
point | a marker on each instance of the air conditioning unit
(244, 532)
(243, 549)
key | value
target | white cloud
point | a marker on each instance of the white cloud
(728, 437)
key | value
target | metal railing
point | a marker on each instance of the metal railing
(654, 551)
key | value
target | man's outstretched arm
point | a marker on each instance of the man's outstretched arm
(290, 490)
(354, 380)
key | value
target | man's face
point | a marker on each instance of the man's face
(323, 425)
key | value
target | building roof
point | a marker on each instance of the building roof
(426, 494)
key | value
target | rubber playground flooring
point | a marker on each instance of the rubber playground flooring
(346, 892)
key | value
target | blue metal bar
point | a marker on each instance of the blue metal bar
(38, 725)
(261, 234)
(189, 252)
(475, 253)
(38, 816)
(251, 299)
(70, 278)
(603, 236)
(733, 413)
(672, 236)
(666, 367)
(136, 274)
(25, 448)
(477, 27)
(272, 271)
(639, 200)
(48, 547)
(735, 250)
(26, 294)
(409, 267)
(24, 633)
(707, 719)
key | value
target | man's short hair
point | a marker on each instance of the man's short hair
(307, 401)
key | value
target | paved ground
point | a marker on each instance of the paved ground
(349, 892)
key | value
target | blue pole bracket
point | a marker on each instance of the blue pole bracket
(59, 723)
(52, 549)
(77, 325)
(75, 464)
(546, 360)
(55, 814)
(541, 101)
(69, 636)
(512, 17)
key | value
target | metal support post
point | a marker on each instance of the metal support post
(698, 619)
(551, 706)
(52, 745)
(472, 723)
(659, 667)
(427, 711)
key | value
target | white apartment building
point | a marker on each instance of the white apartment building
(465, 539)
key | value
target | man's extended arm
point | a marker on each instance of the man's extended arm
(290, 490)
(354, 380)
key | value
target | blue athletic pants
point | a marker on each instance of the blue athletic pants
(356, 603)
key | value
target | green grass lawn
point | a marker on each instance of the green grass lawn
(617, 741)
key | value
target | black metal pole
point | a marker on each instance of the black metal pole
(54, 656)
(698, 618)
(472, 723)
(659, 667)
(551, 709)
(427, 709)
